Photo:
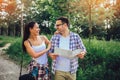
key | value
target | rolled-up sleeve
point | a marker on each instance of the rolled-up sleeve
(80, 44)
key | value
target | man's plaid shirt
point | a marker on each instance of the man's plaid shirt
(75, 43)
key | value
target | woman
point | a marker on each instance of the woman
(35, 45)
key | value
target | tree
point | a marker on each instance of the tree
(90, 13)
(48, 11)
(115, 30)
(8, 8)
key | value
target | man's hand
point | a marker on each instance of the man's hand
(81, 55)
(53, 56)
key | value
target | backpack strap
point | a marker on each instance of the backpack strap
(21, 64)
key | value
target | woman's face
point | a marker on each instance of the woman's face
(35, 30)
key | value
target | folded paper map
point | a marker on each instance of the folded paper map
(67, 53)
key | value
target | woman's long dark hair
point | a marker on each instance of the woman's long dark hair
(27, 33)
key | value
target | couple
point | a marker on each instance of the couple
(38, 47)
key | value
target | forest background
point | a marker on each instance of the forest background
(96, 21)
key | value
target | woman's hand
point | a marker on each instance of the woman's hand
(53, 55)
(56, 32)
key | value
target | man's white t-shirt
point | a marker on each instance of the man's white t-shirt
(63, 64)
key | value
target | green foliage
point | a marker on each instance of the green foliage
(2, 44)
(113, 66)
(79, 12)
(102, 61)
(5, 39)
(15, 52)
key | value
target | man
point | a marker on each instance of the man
(65, 68)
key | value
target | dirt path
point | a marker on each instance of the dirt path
(8, 69)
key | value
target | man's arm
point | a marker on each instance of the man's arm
(81, 46)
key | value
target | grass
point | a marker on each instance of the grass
(101, 58)
(6, 39)
(102, 47)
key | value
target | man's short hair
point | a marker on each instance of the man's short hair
(64, 20)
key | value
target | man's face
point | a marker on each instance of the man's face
(60, 26)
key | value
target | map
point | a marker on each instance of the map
(67, 53)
